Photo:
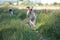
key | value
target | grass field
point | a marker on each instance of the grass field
(16, 28)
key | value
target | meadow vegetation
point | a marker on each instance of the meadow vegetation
(16, 28)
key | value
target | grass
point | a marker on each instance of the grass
(16, 28)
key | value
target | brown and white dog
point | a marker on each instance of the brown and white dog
(31, 17)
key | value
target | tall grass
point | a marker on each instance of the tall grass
(16, 28)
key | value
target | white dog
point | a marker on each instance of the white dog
(31, 17)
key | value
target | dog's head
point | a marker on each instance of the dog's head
(30, 8)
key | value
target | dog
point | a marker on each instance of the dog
(31, 17)
(10, 12)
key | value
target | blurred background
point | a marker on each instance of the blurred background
(35, 3)
(15, 27)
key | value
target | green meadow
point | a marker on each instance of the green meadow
(16, 28)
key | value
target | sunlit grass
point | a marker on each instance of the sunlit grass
(16, 28)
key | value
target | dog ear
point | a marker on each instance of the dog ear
(28, 7)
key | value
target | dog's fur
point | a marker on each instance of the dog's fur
(31, 17)
(10, 12)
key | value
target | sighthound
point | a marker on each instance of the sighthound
(31, 17)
